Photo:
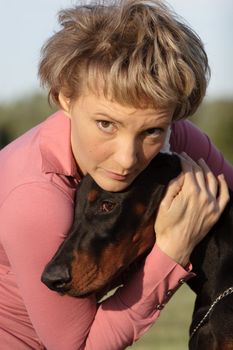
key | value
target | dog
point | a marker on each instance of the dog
(113, 231)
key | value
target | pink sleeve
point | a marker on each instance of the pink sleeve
(186, 137)
(34, 220)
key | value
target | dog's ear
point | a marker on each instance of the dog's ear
(162, 169)
(166, 167)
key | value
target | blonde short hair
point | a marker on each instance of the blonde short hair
(139, 52)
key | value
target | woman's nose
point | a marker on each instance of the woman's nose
(127, 154)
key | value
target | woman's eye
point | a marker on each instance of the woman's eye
(153, 132)
(106, 126)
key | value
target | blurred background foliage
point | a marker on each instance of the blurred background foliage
(21, 114)
(215, 117)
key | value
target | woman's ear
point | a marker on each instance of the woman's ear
(64, 103)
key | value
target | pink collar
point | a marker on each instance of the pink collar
(55, 146)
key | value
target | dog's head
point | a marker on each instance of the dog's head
(110, 230)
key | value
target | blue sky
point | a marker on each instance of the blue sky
(26, 24)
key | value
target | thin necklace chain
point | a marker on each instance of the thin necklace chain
(220, 297)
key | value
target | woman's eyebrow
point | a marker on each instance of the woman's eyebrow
(122, 123)
(103, 114)
(160, 122)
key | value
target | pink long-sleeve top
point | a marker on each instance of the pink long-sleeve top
(38, 179)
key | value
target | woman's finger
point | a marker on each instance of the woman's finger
(173, 189)
(223, 196)
(210, 179)
(197, 172)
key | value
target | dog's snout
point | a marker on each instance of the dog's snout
(56, 277)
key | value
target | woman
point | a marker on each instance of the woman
(122, 75)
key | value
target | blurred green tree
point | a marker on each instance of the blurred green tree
(18, 116)
(216, 119)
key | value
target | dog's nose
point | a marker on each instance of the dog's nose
(56, 277)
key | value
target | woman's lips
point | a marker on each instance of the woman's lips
(116, 176)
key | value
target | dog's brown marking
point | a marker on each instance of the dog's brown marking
(139, 209)
(84, 270)
(227, 344)
(92, 195)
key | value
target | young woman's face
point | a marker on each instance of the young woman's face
(114, 143)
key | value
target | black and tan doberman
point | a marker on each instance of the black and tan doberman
(113, 230)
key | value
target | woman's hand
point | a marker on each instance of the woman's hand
(193, 203)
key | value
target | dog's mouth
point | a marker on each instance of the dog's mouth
(89, 277)
(97, 284)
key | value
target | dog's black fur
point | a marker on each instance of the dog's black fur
(112, 230)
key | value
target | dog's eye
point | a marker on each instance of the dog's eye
(106, 206)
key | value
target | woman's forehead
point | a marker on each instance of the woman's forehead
(101, 106)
